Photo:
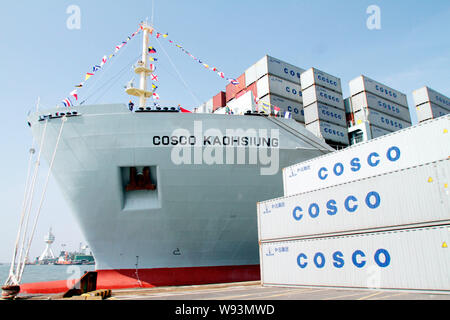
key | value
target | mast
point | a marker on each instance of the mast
(143, 70)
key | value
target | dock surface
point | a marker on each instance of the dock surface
(254, 291)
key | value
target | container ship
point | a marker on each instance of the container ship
(166, 197)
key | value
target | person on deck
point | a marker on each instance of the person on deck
(131, 106)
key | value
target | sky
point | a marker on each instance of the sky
(44, 56)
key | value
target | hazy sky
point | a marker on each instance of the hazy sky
(41, 56)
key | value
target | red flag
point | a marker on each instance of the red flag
(184, 110)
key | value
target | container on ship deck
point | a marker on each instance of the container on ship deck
(366, 100)
(295, 108)
(219, 100)
(380, 120)
(314, 76)
(319, 94)
(363, 83)
(320, 111)
(232, 90)
(429, 110)
(329, 131)
(269, 84)
(378, 132)
(275, 67)
(425, 94)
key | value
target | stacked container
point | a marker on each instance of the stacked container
(207, 107)
(375, 215)
(430, 104)
(381, 106)
(324, 106)
(219, 101)
(276, 83)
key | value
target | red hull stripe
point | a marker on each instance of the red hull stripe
(149, 278)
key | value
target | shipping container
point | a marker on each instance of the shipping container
(410, 259)
(423, 143)
(425, 94)
(329, 131)
(232, 90)
(295, 108)
(250, 75)
(378, 132)
(380, 120)
(348, 107)
(410, 197)
(365, 100)
(314, 76)
(244, 103)
(276, 67)
(429, 110)
(319, 94)
(320, 111)
(219, 100)
(274, 85)
(362, 83)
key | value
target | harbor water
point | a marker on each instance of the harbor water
(44, 273)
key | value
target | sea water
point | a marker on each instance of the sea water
(41, 273)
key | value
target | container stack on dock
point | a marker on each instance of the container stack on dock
(374, 215)
(324, 107)
(430, 104)
(378, 109)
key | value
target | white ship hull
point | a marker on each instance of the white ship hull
(198, 226)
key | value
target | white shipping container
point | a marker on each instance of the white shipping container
(209, 106)
(250, 75)
(274, 85)
(429, 111)
(423, 143)
(320, 111)
(314, 76)
(365, 100)
(329, 131)
(380, 120)
(425, 94)
(378, 132)
(319, 94)
(415, 196)
(276, 67)
(362, 83)
(244, 103)
(412, 259)
(295, 108)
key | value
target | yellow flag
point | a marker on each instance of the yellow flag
(88, 75)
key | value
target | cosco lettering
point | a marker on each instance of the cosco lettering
(351, 204)
(292, 73)
(333, 132)
(359, 259)
(324, 79)
(293, 91)
(386, 91)
(374, 159)
(295, 110)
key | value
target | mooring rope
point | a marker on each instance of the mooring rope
(63, 121)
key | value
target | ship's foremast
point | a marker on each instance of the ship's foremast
(143, 69)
